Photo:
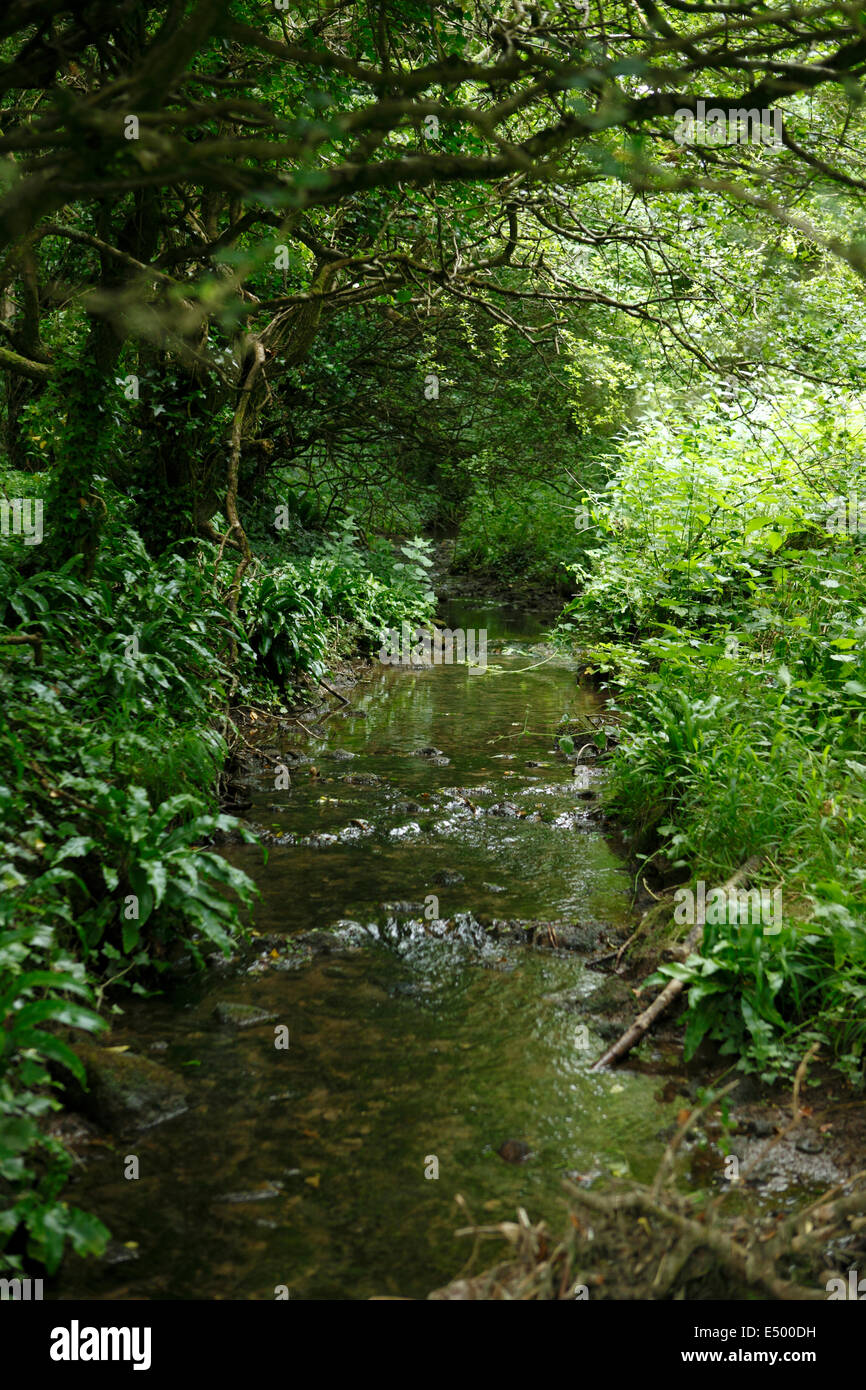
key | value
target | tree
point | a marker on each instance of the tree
(193, 190)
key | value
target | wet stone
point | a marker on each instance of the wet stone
(514, 1151)
(125, 1090)
(809, 1144)
(116, 1253)
(258, 1194)
(566, 999)
(762, 1129)
(241, 1015)
(613, 995)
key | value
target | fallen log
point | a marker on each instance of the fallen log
(674, 988)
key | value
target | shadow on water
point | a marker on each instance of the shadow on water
(305, 1166)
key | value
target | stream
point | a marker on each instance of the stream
(304, 1166)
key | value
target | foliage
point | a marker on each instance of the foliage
(113, 740)
(294, 610)
(397, 270)
(741, 693)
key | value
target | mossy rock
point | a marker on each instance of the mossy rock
(124, 1090)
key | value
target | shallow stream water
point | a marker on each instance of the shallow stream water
(305, 1166)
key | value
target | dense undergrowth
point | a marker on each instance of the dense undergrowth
(726, 593)
(113, 733)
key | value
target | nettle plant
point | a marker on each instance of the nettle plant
(740, 685)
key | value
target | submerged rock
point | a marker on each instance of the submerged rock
(241, 1015)
(355, 829)
(613, 996)
(566, 999)
(448, 878)
(265, 1193)
(514, 1151)
(125, 1090)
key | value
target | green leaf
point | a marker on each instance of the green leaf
(130, 936)
(50, 1046)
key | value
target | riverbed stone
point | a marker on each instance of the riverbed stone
(448, 878)
(514, 1151)
(124, 1090)
(233, 1015)
(567, 936)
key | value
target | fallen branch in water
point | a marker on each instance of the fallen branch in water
(674, 988)
(331, 691)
